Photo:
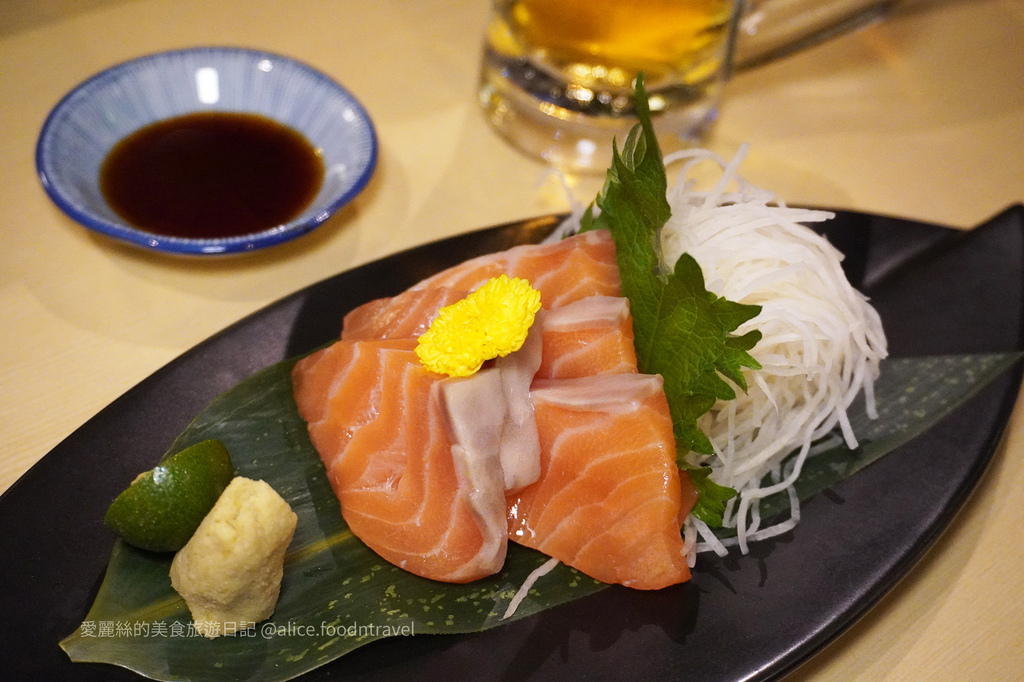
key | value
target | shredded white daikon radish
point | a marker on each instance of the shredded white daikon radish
(821, 340)
(521, 593)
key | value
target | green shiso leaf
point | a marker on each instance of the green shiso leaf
(337, 595)
(711, 497)
(682, 331)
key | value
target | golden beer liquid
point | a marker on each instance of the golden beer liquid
(557, 76)
(605, 43)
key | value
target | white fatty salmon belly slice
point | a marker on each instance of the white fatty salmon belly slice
(588, 312)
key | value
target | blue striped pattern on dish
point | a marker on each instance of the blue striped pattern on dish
(92, 118)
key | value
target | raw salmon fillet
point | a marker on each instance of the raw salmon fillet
(598, 487)
(593, 335)
(374, 415)
(406, 316)
(563, 272)
(609, 499)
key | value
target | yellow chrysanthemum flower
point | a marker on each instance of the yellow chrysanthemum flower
(489, 323)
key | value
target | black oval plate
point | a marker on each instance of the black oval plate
(754, 617)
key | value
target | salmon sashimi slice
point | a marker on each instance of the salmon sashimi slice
(378, 419)
(561, 446)
(609, 499)
(563, 272)
(520, 450)
(591, 336)
(406, 316)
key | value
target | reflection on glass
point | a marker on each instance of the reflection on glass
(207, 85)
(773, 28)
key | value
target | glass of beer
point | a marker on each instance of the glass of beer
(558, 75)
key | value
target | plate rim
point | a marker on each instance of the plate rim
(791, 659)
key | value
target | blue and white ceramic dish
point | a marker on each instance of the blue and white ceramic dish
(92, 118)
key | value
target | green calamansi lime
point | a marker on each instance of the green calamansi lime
(162, 508)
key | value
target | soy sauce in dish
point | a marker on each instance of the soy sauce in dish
(211, 174)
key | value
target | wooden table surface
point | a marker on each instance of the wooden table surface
(918, 116)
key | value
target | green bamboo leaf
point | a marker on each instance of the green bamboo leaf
(338, 595)
(912, 395)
